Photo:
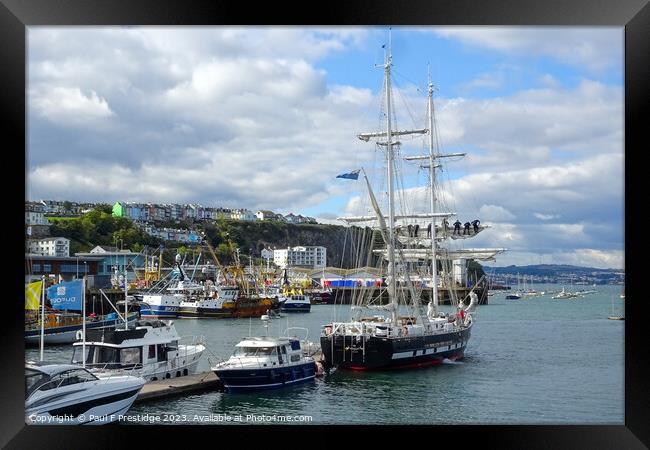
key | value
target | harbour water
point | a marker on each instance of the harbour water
(529, 361)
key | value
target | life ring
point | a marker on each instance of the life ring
(79, 335)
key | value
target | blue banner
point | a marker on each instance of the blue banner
(66, 295)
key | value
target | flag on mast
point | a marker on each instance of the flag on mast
(33, 295)
(354, 175)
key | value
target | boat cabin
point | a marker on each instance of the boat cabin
(152, 341)
(267, 352)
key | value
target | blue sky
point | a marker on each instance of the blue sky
(265, 118)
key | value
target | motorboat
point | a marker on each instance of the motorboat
(267, 363)
(66, 394)
(152, 349)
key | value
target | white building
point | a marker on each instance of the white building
(313, 257)
(243, 214)
(54, 246)
(35, 218)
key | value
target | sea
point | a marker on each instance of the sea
(536, 360)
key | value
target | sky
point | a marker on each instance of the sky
(265, 118)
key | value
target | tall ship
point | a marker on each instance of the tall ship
(390, 327)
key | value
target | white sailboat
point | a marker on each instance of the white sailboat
(393, 339)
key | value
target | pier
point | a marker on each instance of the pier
(204, 381)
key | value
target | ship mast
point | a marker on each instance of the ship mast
(390, 159)
(392, 287)
(432, 177)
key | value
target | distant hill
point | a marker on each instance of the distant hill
(551, 269)
(558, 273)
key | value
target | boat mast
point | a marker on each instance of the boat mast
(126, 298)
(432, 177)
(392, 288)
(42, 315)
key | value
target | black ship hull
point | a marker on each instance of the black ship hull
(383, 353)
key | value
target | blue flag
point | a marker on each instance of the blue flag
(66, 295)
(354, 175)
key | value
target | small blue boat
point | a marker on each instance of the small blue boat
(296, 303)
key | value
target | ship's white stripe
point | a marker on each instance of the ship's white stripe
(428, 351)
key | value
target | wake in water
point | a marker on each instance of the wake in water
(449, 361)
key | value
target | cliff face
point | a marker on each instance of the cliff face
(255, 236)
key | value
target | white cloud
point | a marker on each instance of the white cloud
(594, 49)
(541, 216)
(495, 213)
(64, 105)
(247, 118)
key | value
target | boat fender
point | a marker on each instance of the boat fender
(406, 331)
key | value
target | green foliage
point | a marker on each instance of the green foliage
(99, 227)
(474, 270)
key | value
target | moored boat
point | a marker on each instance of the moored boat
(266, 363)
(66, 394)
(152, 349)
(404, 336)
(296, 303)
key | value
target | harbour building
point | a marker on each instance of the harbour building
(313, 257)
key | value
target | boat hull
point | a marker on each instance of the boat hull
(159, 312)
(249, 379)
(68, 334)
(223, 313)
(95, 410)
(381, 353)
(295, 307)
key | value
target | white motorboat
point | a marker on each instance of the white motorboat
(152, 350)
(66, 394)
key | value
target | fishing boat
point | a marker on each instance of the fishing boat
(61, 322)
(66, 394)
(159, 306)
(152, 350)
(403, 335)
(266, 363)
(296, 303)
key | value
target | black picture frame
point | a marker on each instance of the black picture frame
(634, 15)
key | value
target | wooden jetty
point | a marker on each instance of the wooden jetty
(204, 381)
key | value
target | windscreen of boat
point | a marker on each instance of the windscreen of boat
(77, 354)
(33, 379)
(254, 351)
(109, 357)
